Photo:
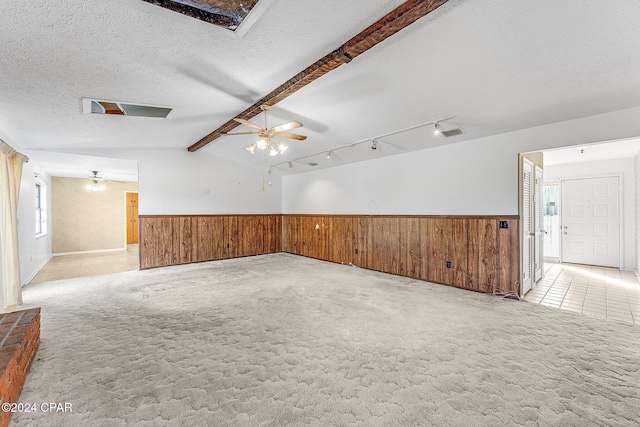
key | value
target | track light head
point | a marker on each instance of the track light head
(374, 144)
(290, 165)
(436, 128)
(329, 154)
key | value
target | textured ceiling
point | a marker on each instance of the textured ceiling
(496, 65)
(588, 153)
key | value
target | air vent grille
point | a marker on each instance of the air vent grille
(95, 106)
(451, 132)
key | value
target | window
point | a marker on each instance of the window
(41, 209)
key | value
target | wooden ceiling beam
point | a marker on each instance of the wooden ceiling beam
(400, 17)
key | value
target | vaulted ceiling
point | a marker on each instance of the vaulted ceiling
(495, 65)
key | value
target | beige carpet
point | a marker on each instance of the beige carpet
(281, 340)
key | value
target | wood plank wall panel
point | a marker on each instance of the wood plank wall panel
(148, 231)
(324, 237)
(188, 249)
(377, 234)
(232, 237)
(182, 239)
(415, 257)
(458, 252)
(287, 230)
(436, 248)
(363, 242)
(487, 254)
(482, 257)
(391, 245)
(163, 250)
(473, 256)
(341, 240)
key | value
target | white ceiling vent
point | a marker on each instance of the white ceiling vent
(118, 108)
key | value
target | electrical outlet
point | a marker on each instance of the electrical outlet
(356, 251)
(448, 264)
(503, 224)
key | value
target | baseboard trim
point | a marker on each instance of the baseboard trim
(89, 252)
(37, 270)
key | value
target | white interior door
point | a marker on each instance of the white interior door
(538, 225)
(527, 225)
(591, 221)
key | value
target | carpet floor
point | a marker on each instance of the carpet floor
(282, 340)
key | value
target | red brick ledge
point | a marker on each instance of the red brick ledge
(19, 341)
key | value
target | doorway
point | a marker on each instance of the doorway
(590, 215)
(551, 221)
(531, 214)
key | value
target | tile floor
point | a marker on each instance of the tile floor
(85, 265)
(595, 291)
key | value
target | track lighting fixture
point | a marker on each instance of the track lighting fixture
(270, 170)
(374, 141)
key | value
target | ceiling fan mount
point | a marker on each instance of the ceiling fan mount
(267, 134)
(95, 178)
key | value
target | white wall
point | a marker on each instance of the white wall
(175, 181)
(34, 252)
(472, 177)
(604, 168)
(637, 209)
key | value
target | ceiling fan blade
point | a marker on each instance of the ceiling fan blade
(239, 133)
(247, 123)
(287, 126)
(291, 136)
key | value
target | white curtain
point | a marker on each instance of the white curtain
(10, 175)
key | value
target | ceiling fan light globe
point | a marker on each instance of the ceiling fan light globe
(251, 148)
(273, 152)
(282, 148)
(261, 144)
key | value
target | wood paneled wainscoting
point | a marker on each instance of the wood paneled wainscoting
(183, 239)
(480, 253)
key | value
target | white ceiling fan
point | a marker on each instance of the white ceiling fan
(266, 135)
(95, 182)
